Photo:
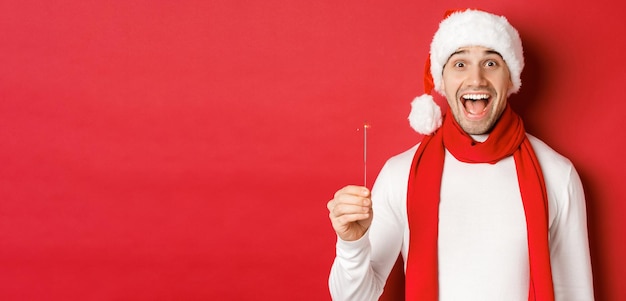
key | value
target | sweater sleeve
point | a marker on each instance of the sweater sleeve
(569, 246)
(361, 267)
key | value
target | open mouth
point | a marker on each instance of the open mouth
(475, 104)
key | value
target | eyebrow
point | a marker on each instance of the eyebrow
(462, 51)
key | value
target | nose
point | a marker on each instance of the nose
(476, 76)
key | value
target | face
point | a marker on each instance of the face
(476, 81)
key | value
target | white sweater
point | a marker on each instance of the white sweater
(483, 249)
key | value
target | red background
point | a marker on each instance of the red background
(185, 150)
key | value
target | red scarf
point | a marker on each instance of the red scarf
(507, 138)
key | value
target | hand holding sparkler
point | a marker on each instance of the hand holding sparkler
(350, 210)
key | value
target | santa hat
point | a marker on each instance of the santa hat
(459, 29)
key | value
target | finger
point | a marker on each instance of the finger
(342, 222)
(347, 209)
(354, 190)
(330, 205)
(352, 199)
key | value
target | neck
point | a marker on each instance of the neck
(480, 138)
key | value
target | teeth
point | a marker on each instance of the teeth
(475, 96)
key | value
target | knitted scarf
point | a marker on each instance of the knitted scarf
(507, 138)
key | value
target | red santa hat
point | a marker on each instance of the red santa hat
(459, 29)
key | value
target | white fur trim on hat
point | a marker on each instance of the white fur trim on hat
(425, 117)
(476, 28)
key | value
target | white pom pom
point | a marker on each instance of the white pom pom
(425, 117)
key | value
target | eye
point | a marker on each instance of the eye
(491, 63)
(459, 64)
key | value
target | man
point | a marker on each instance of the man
(479, 209)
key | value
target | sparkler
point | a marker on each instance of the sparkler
(366, 126)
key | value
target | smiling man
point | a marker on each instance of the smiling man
(479, 209)
(478, 82)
